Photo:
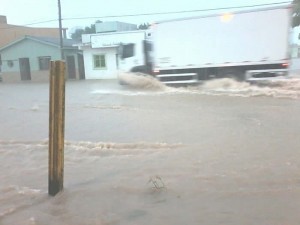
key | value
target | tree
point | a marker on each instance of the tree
(144, 26)
(77, 34)
(296, 13)
(90, 30)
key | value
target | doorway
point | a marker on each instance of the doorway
(81, 66)
(71, 67)
(24, 68)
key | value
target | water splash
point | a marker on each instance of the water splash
(121, 146)
(289, 88)
(35, 107)
(141, 84)
(141, 81)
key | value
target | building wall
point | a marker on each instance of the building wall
(32, 50)
(114, 26)
(40, 76)
(294, 69)
(36, 76)
(110, 72)
(28, 49)
(10, 32)
(10, 77)
(294, 51)
(114, 64)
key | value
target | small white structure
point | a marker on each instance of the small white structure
(114, 26)
(100, 52)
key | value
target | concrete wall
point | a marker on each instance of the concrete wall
(36, 76)
(114, 64)
(33, 50)
(28, 49)
(294, 69)
(10, 77)
(114, 26)
(40, 76)
(110, 72)
(13, 32)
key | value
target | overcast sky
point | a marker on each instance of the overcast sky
(30, 11)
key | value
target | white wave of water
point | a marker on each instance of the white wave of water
(139, 84)
(136, 84)
(279, 89)
(94, 145)
(121, 146)
(35, 107)
(113, 107)
(139, 80)
(14, 198)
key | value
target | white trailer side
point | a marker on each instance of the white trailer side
(231, 40)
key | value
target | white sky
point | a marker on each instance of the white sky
(31, 11)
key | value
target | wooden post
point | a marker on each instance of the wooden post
(56, 127)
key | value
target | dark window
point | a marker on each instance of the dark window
(10, 63)
(44, 62)
(127, 51)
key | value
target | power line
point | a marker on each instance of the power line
(154, 13)
(27, 24)
(175, 12)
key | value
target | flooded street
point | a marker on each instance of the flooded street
(223, 153)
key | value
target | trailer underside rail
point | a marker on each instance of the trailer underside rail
(180, 78)
(268, 74)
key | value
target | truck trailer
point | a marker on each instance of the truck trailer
(242, 45)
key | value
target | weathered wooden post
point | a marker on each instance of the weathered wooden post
(56, 127)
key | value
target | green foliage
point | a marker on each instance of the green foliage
(90, 30)
(77, 34)
(144, 26)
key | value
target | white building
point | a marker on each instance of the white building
(100, 51)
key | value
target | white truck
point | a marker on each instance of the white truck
(243, 45)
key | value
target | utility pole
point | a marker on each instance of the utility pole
(60, 31)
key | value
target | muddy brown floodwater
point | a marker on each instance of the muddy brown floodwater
(219, 153)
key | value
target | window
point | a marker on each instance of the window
(99, 62)
(44, 62)
(127, 51)
(10, 63)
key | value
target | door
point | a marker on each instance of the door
(24, 68)
(71, 67)
(81, 66)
